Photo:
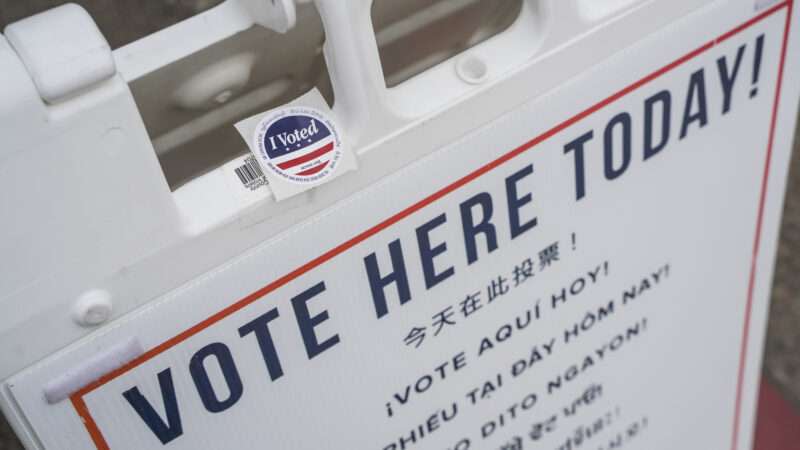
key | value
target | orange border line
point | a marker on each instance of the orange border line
(91, 426)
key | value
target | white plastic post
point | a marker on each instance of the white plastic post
(352, 56)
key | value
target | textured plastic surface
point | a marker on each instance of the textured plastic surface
(63, 51)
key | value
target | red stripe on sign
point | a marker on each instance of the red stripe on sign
(314, 169)
(307, 157)
(757, 239)
(97, 436)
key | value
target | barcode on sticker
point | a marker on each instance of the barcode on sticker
(250, 174)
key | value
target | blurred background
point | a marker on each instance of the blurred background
(124, 21)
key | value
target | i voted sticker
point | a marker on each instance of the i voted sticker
(299, 144)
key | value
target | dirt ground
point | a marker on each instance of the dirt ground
(782, 353)
(123, 21)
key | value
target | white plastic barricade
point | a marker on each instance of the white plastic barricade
(531, 224)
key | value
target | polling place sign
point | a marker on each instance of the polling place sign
(587, 271)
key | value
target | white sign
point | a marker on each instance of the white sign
(580, 273)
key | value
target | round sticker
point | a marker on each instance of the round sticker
(299, 144)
